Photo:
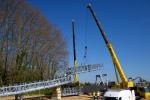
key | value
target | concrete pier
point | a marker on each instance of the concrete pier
(56, 93)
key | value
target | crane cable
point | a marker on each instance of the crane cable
(85, 39)
(85, 36)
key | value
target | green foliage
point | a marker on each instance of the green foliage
(40, 92)
(87, 84)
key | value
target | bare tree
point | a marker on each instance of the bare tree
(30, 47)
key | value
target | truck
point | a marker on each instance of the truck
(119, 94)
(124, 91)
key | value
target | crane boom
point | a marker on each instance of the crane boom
(111, 50)
(74, 52)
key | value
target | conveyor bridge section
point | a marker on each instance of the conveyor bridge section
(57, 81)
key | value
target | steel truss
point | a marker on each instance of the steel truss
(59, 80)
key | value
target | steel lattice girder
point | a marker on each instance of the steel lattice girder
(59, 80)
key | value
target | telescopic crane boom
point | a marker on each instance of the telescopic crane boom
(74, 51)
(124, 83)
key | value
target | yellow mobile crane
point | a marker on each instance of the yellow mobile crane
(142, 88)
(125, 83)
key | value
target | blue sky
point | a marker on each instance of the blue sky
(127, 26)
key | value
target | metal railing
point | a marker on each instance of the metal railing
(70, 91)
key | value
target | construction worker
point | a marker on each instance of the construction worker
(94, 95)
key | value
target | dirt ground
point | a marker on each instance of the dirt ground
(81, 97)
(145, 99)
